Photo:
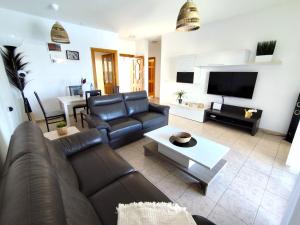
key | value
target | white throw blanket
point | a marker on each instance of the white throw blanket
(149, 213)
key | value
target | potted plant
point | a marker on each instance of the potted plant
(62, 128)
(180, 95)
(265, 51)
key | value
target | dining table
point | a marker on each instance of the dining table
(68, 101)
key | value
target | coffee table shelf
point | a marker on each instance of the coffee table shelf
(196, 171)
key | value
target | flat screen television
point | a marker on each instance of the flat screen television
(185, 77)
(234, 84)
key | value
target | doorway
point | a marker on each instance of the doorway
(151, 76)
(105, 69)
(131, 77)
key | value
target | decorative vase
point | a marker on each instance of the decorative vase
(263, 58)
(62, 131)
(179, 100)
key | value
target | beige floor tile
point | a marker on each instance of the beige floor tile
(250, 177)
(196, 203)
(265, 217)
(250, 191)
(239, 206)
(274, 203)
(221, 216)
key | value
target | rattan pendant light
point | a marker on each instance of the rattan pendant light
(188, 18)
(59, 34)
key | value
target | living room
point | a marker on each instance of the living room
(221, 156)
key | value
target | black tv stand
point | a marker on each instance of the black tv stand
(234, 116)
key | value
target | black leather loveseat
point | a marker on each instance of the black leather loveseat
(71, 181)
(125, 117)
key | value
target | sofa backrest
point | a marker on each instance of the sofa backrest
(136, 102)
(34, 190)
(108, 107)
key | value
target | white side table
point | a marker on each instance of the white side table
(52, 135)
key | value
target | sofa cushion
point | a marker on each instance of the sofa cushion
(107, 107)
(131, 188)
(78, 209)
(122, 127)
(136, 102)
(61, 165)
(27, 138)
(98, 167)
(30, 193)
(150, 119)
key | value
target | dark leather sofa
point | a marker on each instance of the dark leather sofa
(71, 181)
(125, 117)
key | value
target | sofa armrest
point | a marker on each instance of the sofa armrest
(95, 122)
(163, 109)
(78, 142)
(202, 221)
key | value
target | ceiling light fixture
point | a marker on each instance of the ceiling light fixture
(58, 32)
(188, 18)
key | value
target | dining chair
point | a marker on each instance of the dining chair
(76, 90)
(53, 116)
(85, 112)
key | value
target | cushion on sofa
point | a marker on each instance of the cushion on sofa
(61, 165)
(78, 210)
(27, 138)
(108, 107)
(123, 126)
(136, 102)
(98, 167)
(150, 119)
(131, 188)
(30, 193)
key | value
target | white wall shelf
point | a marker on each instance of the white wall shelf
(272, 63)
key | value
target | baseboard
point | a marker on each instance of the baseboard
(271, 132)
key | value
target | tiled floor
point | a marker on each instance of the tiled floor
(252, 189)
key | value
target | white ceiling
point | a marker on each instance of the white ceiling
(139, 18)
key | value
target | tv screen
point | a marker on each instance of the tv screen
(235, 84)
(185, 77)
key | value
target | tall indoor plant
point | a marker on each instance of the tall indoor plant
(15, 70)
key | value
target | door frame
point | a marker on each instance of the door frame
(103, 50)
(149, 58)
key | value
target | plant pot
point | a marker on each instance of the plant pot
(263, 58)
(62, 131)
(180, 101)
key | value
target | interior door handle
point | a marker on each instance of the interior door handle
(10, 108)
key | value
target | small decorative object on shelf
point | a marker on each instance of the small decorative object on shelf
(249, 113)
(180, 95)
(62, 128)
(265, 51)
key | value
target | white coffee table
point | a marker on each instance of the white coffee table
(202, 161)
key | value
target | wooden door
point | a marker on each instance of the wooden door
(137, 78)
(109, 76)
(151, 74)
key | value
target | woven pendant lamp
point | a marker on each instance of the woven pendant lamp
(188, 18)
(59, 34)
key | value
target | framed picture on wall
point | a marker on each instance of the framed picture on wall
(54, 47)
(72, 55)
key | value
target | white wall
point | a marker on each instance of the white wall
(48, 79)
(155, 51)
(277, 87)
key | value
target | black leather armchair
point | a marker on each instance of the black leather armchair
(125, 117)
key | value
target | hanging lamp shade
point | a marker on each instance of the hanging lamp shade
(59, 34)
(188, 18)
